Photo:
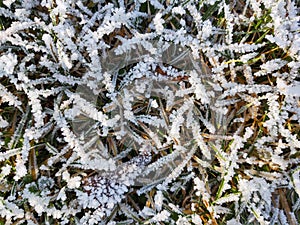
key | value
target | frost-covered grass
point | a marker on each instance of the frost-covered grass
(160, 143)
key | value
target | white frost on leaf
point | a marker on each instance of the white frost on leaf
(21, 170)
(72, 182)
(162, 216)
(158, 23)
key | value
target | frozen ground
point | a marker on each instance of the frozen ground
(149, 112)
